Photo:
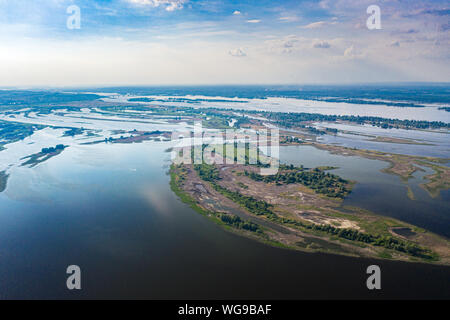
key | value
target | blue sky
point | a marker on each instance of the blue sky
(127, 42)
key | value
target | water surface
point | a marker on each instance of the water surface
(109, 209)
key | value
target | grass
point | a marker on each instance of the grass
(177, 177)
(375, 229)
(385, 254)
(438, 181)
(14, 131)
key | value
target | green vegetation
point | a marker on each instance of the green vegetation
(216, 122)
(58, 148)
(219, 118)
(177, 177)
(15, 131)
(386, 241)
(290, 139)
(242, 185)
(44, 155)
(294, 120)
(3, 180)
(259, 207)
(21, 98)
(316, 179)
(207, 172)
(439, 180)
(73, 132)
(211, 174)
(236, 222)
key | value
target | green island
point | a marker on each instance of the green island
(402, 165)
(3, 180)
(45, 154)
(228, 220)
(300, 209)
(15, 131)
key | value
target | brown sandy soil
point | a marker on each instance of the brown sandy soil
(290, 200)
(211, 200)
(297, 202)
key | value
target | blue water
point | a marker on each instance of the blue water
(109, 209)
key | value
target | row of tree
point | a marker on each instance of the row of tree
(292, 119)
(59, 147)
(261, 207)
(237, 222)
(321, 182)
(385, 241)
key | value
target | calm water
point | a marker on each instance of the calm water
(381, 193)
(301, 98)
(109, 209)
(431, 143)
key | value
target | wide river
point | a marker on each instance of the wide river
(109, 210)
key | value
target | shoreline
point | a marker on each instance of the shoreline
(326, 243)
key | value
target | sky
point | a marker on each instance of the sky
(177, 42)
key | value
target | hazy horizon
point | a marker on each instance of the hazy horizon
(189, 42)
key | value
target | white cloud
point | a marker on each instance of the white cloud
(170, 5)
(237, 53)
(352, 53)
(321, 44)
(349, 51)
(254, 21)
(289, 19)
(315, 25)
(318, 24)
(237, 13)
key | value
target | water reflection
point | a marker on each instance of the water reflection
(113, 223)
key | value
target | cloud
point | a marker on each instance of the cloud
(170, 5)
(444, 27)
(286, 44)
(437, 12)
(237, 53)
(432, 12)
(289, 19)
(352, 53)
(254, 21)
(237, 13)
(321, 45)
(324, 4)
(290, 43)
(318, 24)
(410, 31)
